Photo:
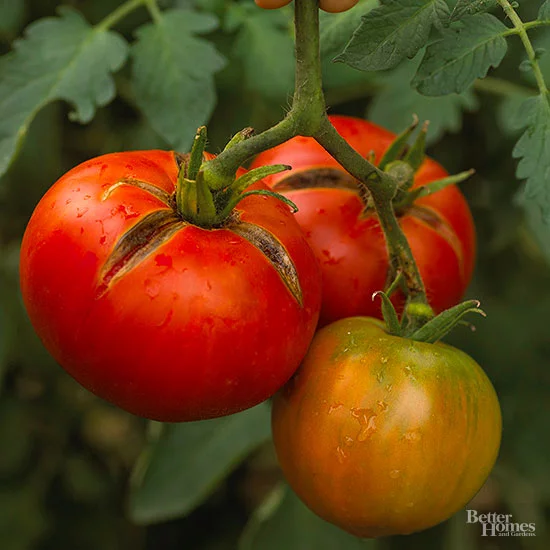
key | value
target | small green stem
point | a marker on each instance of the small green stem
(498, 86)
(520, 29)
(535, 24)
(120, 13)
(153, 8)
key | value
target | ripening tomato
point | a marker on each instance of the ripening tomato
(337, 6)
(347, 238)
(382, 435)
(165, 319)
(272, 4)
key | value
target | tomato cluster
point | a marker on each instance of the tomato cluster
(331, 6)
(176, 321)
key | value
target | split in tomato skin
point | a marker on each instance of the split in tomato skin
(202, 326)
(381, 435)
(348, 240)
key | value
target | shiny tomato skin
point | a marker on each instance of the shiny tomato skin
(350, 245)
(337, 6)
(381, 435)
(202, 327)
(272, 4)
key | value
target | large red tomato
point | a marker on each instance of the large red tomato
(165, 319)
(382, 435)
(348, 240)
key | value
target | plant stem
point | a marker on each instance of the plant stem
(152, 7)
(498, 86)
(519, 26)
(120, 13)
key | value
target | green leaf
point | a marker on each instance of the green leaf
(395, 106)
(464, 54)
(11, 15)
(283, 521)
(544, 12)
(472, 7)
(337, 28)
(173, 74)
(190, 459)
(60, 58)
(261, 34)
(539, 228)
(397, 29)
(533, 150)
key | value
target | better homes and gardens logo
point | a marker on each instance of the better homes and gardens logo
(500, 525)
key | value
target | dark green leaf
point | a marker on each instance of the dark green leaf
(190, 459)
(60, 58)
(533, 148)
(544, 12)
(262, 33)
(464, 54)
(336, 29)
(472, 7)
(539, 228)
(11, 15)
(392, 32)
(173, 74)
(395, 106)
(283, 521)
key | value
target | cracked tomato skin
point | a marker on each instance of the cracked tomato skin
(202, 327)
(381, 435)
(350, 245)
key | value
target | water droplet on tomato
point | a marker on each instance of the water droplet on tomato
(348, 441)
(383, 406)
(380, 376)
(394, 474)
(335, 407)
(389, 388)
(80, 212)
(367, 421)
(341, 454)
(152, 288)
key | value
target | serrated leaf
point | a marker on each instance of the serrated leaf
(336, 29)
(397, 102)
(284, 521)
(262, 33)
(392, 32)
(173, 74)
(471, 7)
(60, 58)
(533, 150)
(190, 459)
(464, 54)
(544, 11)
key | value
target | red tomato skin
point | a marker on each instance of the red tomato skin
(350, 246)
(381, 435)
(202, 327)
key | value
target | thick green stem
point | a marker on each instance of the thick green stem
(520, 28)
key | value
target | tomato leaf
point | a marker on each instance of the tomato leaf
(471, 7)
(337, 28)
(392, 32)
(544, 11)
(395, 106)
(464, 54)
(283, 521)
(60, 58)
(260, 34)
(173, 74)
(533, 150)
(190, 459)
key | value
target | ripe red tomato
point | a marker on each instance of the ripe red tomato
(169, 321)
(337, 6)
(272, 4)
(382, 435)
(349, 242)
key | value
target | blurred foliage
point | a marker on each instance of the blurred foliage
(68, 462)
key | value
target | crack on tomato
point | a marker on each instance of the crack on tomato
(157, 192)
(275, 252)
(136, 244)
(318, 178)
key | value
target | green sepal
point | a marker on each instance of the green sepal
(238, 198)
(388, 312)
(243, 135)
(246, 180)
(416, 154)
(399, 145)
(206, 209)
(197, 152)
(441, 325)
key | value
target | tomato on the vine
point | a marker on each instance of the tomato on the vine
(165, 319)
(346, 235)
(272, 4)
(337, 6)
(383, 435)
